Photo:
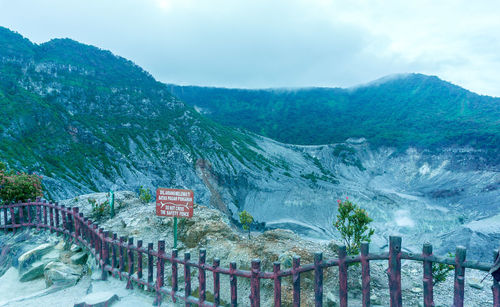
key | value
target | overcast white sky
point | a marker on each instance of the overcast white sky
(279, 43)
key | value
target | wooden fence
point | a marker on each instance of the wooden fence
(119, 257)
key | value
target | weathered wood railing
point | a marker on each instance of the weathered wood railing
(112, 252)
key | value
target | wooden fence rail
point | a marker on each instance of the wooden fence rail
(119, 257)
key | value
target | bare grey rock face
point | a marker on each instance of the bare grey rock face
(79, 258)
(98, 299)
(62, 274)
(33, 272)
(30, 256)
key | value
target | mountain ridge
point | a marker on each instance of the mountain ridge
(90, 126)
(414, 110)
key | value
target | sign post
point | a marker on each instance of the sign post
(175, 232)
(112, 204)
(174, 203)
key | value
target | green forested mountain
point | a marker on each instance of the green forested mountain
(400, 111)
(83, 115)
(90, 121)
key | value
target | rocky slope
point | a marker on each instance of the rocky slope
(208, 229)
(397, 111)
(90, 121)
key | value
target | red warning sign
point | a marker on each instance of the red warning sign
(174, 202)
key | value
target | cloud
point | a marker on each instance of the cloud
(279, 43)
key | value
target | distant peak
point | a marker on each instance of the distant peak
(397, 77)
(14, 44)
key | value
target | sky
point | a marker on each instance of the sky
(279, 43)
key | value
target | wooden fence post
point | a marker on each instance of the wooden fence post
(233, 281)
(51, 218)
(38, 213)
(121, 258)
(160, 269)
(30, 222)
(202, 276)
(318, 279)
(139, 260)
(97, 243)
(130, 254)
(45, 223)
(150, 266)
(63, 218)
(83, 229)
(75, 221)
(458, 295)
(395, 271)
(187, 277)
(428, 279)
(100, 235)
(114, 254)
(105, 255)
(342, 253)
(255, 283)
(58, 212)
(296, 281)
(12, 218)
(5, 220)
(495, 288)
(21, 213)
(277, 284)
(175, 286)
(216, 281)
(365, 274)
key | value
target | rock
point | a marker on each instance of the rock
(34, 272)
(331, 300)
(79, 258)
(286, 259)
(476, 284)
(32, 255)
(98, 299)
(5, 258)
(62, 274)
(374, 299)
(75, 248)
(416, 290)
(60, 245)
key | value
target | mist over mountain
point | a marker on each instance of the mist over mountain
(420, 154)
(396, 111)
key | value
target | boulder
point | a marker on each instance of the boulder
(79, 258)
(32, 255)
(60, 245)
(97, 299)
(62, 274)
(331, 299)
(33, 272)
(475, 283)
(75, 248)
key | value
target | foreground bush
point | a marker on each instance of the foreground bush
(16, 186)
(352, 223)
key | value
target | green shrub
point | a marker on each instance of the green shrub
(145, 195)
(441, 270)
(246, 219)
(15, 186)
(99, 209)
(352, 223)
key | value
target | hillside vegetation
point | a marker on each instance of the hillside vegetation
(83, 115)
(400, 111)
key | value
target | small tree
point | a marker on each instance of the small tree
(15, 186)
(440, 271)
(246, 219)
(352, 223)
(144, 195)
